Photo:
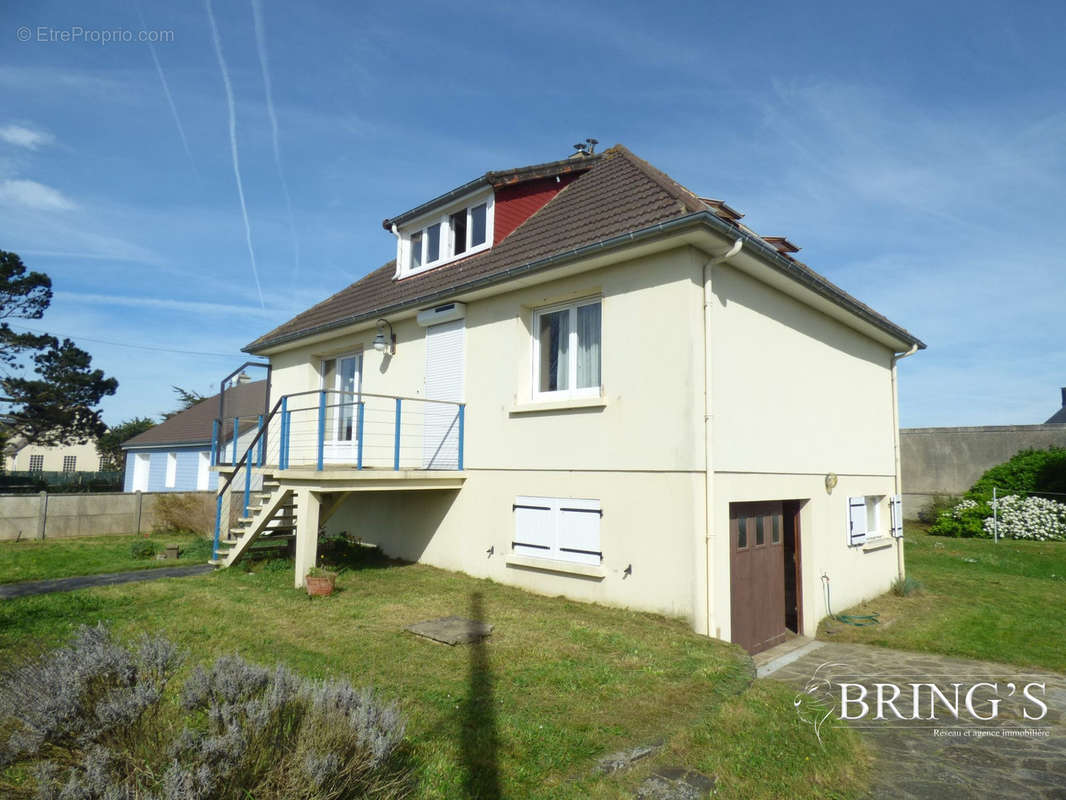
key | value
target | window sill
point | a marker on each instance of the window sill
(550, 565)
(540, 406)
(880, 543)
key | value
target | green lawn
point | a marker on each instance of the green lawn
(30, 560)
(994, 601)
(557, 685)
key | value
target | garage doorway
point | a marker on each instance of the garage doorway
(764, 572)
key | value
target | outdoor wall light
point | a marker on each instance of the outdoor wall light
(381, 344)
(830, 482)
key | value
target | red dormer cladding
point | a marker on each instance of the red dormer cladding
(517, 202)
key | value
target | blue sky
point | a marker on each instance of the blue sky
(914, 151)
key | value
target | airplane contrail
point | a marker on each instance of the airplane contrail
(166, 91)
(233, 145)
(260, 40)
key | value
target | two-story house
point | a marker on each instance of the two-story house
(581, 378)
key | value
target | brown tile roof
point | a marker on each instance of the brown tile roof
(193, 425)
(620, 195)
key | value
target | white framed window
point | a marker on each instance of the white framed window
(172, 470)
(558, 528)
(567, 362)
(37, 463)
(864, 519)
(70, 463)
(458, 230)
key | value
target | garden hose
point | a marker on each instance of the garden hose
(857, 620)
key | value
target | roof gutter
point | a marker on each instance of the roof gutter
(157, 445)
(706, 218)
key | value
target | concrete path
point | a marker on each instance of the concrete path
(1003, 756)
(26, 588)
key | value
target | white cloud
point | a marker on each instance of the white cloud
(30, 194)
(168, 304)
(21, 136)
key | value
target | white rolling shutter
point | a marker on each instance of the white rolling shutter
(856, 521)
(444, 381)
(896, 507)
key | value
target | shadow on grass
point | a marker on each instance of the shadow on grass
(480, 740)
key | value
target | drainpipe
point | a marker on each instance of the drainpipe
(896, 358)
(708, 460)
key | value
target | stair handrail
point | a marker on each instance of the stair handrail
(263, 428)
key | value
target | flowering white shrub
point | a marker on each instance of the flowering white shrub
(963, 507)
(1028, 518)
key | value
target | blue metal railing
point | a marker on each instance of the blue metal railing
(322, 429)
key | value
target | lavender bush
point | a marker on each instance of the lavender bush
(94, 721)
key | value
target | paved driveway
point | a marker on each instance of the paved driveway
(1004, 756)
(26, 588)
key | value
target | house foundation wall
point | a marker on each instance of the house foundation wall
(648, 527)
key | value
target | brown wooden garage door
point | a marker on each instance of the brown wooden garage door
(757, 574)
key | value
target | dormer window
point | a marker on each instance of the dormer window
(458, 230)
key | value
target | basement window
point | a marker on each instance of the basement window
(558, 528)
(864, 519)
(459, 230)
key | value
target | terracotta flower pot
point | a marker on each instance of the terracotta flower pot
(320, 585)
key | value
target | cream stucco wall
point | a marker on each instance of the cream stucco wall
(639, 451)
(795, 395)
(87, 459)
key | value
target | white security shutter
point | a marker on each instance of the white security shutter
(559, 528)
(444, 381)
(896, 506)
(579, 531)
(534, 526)
(856, 521)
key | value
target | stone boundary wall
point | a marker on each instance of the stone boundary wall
(947, 461)
(61, 516)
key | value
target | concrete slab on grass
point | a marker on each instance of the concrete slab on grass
(452, 630)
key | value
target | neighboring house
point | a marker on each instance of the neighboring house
(1060, 415)
(22, 457)
(583, 379)
(176, 454)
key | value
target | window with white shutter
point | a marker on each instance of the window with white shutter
(559, 528)
(864, 518)
(896, 506)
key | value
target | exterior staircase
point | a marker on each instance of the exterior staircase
(270, 522)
